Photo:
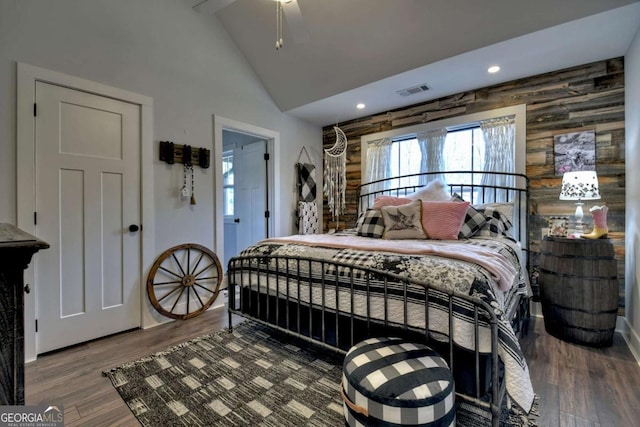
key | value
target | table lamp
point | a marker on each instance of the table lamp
(579, 185)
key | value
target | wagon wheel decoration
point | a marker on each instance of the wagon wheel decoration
(184, 281)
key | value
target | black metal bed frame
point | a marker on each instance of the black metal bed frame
(338, 328)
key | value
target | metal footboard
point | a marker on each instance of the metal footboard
(335, 305)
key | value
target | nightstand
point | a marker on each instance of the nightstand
(579, 290)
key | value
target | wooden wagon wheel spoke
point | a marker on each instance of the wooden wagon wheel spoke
(207, 278)
(169, 293)
(197, 263)
(204, 269)
(200, 286)
(177, 299)
(184, 300)
(195, 291)
(167, 283)
(173, 255)
(170, 272)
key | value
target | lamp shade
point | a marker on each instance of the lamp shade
(580, 185)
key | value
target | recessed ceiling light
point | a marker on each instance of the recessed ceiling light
(360, 106)
(493, 69)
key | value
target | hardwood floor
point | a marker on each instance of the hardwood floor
(582, 386)
(578, 386)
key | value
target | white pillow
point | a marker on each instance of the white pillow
(432, 192)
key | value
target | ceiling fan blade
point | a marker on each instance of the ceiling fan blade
(209, 7)
(295, 23)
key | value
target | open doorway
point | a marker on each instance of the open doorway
(245, 191)
(245, 186)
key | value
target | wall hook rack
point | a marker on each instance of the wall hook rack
(184, 154)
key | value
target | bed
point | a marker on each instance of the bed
(467, 296)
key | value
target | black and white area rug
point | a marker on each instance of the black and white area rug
(251, 377)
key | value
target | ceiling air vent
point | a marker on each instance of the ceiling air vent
(413, 90)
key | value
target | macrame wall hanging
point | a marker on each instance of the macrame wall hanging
(335, 174)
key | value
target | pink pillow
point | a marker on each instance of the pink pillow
(381, 201)
(443, 220)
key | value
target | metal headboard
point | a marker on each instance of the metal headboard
(511, 188)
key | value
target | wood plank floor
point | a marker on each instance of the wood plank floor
(578, 386)
(582, 386)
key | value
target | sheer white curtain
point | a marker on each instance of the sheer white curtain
(499, 139)
(431, 145)
(378, 164)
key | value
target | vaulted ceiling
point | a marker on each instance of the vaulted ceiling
(352, 51)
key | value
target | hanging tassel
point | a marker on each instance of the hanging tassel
(193, 187)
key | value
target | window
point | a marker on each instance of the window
(453, 144)
(463, 150)
(405, 160)
(227, 183)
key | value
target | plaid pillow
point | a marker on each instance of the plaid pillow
(372, 224)
(360, 220)
(473, 221)
(497, 224)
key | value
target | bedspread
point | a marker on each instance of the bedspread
(387, 300)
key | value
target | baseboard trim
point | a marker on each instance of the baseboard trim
(630, 336)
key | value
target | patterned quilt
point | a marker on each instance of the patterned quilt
(362, 293)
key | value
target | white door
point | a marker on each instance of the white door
(87, 195)
(250, 193)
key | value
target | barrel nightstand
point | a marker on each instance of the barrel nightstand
(579, 290)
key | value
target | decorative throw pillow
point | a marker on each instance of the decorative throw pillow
(372, 224)
(443, 220)
(381, 201)
(473, 220)
(505, 209)
(432, 192)
(403, 222)
(360, 220)
(497, 224)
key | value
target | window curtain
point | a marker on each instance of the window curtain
(432, 147)
(500, 139)
(378, 164)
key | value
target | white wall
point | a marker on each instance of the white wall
(185, 61)
(632, 202)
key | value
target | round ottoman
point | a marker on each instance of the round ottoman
(391, 382)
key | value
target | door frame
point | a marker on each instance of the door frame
(273, 186)
(27, 75)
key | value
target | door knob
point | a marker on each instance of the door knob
(237, 220)
(133, 228)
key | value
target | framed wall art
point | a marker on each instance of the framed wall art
(574, 151)
(558, 226)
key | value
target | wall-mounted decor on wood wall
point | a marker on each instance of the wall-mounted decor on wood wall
(184, 154)
(575, 151)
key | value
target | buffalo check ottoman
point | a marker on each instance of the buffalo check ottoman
(391, 382)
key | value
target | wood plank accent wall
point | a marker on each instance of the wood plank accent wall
(585, 97)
